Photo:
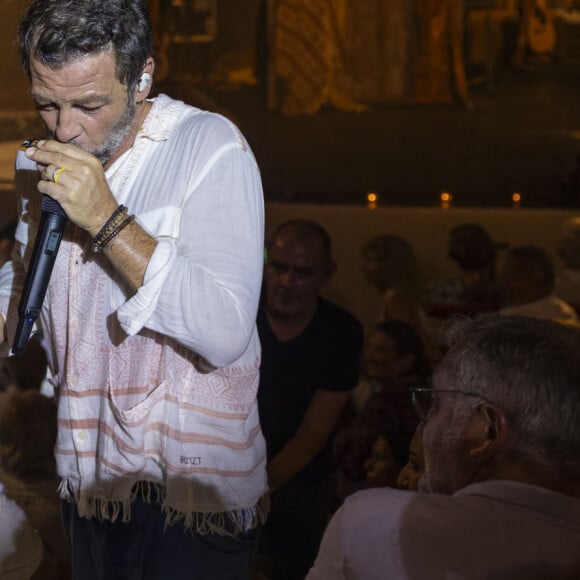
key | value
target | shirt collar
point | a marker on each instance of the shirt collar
(527, 496)
(161, 119)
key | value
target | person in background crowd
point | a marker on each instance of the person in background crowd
(390, 264)
(394, 360)
(374, 445)
(310, 364)
(411, 473)
(371, 449)
(527, 281)
(501, 444)
(475, 290)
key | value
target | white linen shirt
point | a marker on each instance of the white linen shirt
(160, 386)
(493, 530)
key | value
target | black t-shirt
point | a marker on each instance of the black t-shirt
(324, 356)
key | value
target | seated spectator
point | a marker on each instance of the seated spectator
(475, 290)
(568, 282)
(527, 281)
(501, 445)
(390, 264)
(383, 465)
(371, 450)
(384, 421)
(394, 359)
(28, 472)
(411, 473)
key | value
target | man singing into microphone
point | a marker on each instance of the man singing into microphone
(149, 317)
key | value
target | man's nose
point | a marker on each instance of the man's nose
(67, 127)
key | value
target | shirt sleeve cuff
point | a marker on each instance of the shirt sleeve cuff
(134, 314)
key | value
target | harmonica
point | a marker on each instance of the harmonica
(28, 143)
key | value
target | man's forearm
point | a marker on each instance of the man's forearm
(294, 457)
(130, 252)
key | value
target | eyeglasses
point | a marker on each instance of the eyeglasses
(423, 399)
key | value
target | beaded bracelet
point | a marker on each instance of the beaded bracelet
(116, 218)
(109, 224)
(99, 246)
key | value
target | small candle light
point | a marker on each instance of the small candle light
(516, 200)
(372, 200)
(445, 200)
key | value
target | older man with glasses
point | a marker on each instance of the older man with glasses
(500, 495)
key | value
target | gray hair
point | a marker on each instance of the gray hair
(530, 368)
(57, 32)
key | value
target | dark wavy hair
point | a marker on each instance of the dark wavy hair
(57, 32)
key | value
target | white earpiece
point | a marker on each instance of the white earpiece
(144, 81)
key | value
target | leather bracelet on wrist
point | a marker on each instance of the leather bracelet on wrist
(112, 227)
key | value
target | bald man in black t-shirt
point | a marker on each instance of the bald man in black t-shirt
(310, 356)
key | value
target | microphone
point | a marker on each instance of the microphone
(53, 220)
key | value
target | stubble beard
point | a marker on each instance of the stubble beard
(117, 135)
(444, 459)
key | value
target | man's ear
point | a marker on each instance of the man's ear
(145, 84)
(489, 431)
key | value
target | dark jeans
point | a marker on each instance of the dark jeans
(143, 549)
(291, 536)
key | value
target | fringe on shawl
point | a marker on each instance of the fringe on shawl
(229, 523)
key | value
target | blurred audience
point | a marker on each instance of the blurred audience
(390, 264)
(568, 282)
(527, 279)
(475, 289)
(502, 469)
(394, 360)
(28, 472)
(310, 364)
(388, 454)
(371, 450)
(411, 473)
(374, 446)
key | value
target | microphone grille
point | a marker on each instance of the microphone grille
(50, 205)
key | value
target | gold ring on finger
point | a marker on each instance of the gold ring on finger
(56, 174)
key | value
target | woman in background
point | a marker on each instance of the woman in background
(390, 264)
